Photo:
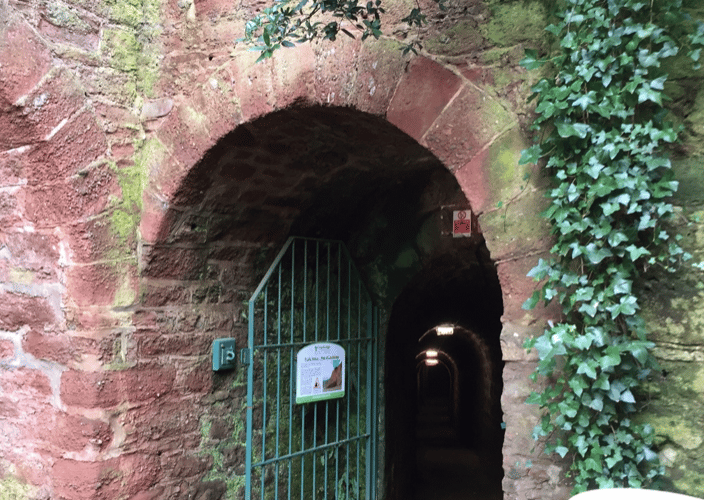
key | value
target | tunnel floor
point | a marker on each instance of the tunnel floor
(448, 470)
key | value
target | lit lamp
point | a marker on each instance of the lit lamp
(431, 361)
(445, 330)
(431, 353)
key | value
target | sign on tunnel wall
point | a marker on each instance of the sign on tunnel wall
(320, 373)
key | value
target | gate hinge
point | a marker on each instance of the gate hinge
(245, 356)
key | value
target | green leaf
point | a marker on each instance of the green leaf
(646, 93)
(627, 397)
(597, 404)
(596, 254)
(583, 342)
(530, 155)
(588, 368)
(562, 451)
(566, 129)
(636, 252)
(531, 60)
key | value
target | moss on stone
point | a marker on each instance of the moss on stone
(63, 16)
(21, 276)
(123, 48)
(12, 489)
(690, 174)
(130, 48)
(125, 294)
(678, 431)
(127, 214)
(516, 22)
(690, 483)
(461, 38)
(134, 13)
(506, 176)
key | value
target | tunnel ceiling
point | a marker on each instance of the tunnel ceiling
(265, 174)
(325, 172)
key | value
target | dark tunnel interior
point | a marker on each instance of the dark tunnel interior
(443, 381)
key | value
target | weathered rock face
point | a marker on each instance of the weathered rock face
(149, 171)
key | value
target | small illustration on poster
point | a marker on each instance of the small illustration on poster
(320, 372)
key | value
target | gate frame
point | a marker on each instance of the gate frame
(372, 421)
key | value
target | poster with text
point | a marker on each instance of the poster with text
(320, 372)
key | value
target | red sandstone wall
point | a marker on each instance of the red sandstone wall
(109, 302)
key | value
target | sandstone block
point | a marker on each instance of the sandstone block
(421, 96)
(74, 145)
(75, 433)
(107, 389)
(25, 383)
(17, 310)
(7, 349)
(20, 74)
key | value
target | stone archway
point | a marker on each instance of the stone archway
(472, 135)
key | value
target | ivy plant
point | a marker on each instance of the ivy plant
(603, 136)
(287, 23)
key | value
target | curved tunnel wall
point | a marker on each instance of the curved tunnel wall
(324, 172)
(465, 292)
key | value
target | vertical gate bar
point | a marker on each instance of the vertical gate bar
(359, 377)
(344, 387)
(349, 385)
(305, 288)
(327, 296)
(250, 392)
(291, 369)
(264, 381)
(278, 384)
(305, 325)
(317, 276)
(375, 389)
(327, 338)
(370, 354)
(317, 307)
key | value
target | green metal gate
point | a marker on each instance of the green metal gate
(326, 449)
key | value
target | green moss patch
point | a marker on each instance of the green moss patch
(462, 38)
(516, 22)
(63, 16)
(12, 489)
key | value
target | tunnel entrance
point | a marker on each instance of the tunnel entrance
(340, 174)
(443, 381)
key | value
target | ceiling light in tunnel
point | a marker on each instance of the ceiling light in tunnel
(445, 330)
(431, 353)
(431, 362)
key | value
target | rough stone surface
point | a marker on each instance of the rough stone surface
(150, 171)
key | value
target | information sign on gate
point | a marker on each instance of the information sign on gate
(320, 372)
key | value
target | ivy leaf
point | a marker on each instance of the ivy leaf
(646, 93)
(658, 83)
(530, 155)
(566, 129)
(531, 60)
(636, 252)
(596, 254)
(627, 306)
(597, 404)
(562, 451)
(583, 342)
(627, 397)
(588, 368)
(584, 101)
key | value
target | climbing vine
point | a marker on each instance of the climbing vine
(604, 135)
(287, 23)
